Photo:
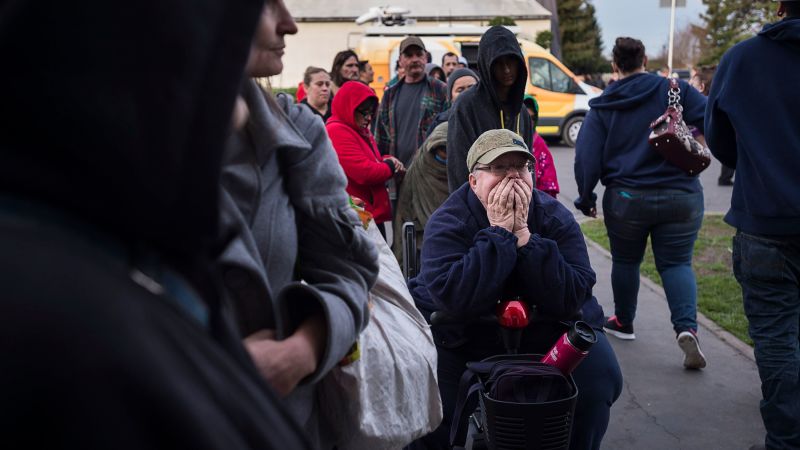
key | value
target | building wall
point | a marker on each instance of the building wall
(316, 43)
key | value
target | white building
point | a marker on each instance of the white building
(327, 27)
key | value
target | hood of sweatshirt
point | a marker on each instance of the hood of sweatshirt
(629, 91)
(437, 138)
(347, 99)
(785, 30)
(499, 41)
(125, 132)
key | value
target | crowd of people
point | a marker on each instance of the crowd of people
(184, 252)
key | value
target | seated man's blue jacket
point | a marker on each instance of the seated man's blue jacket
(468, 265)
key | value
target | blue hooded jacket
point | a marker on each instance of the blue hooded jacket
(612, 146)
(752, 125)
(468, 265)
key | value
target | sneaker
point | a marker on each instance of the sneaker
(615, 328)
(693, 356)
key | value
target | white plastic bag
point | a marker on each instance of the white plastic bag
(389, 396)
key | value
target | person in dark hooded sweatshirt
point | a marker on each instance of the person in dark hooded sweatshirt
(754, 130)
(645, 195)
(495, 102)
(114, 328)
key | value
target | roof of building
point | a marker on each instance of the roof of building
(347, 10)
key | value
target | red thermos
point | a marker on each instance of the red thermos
(570, 349)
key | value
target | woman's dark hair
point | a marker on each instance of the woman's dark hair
(310, 71)
(338, 62)
(628, 54)
(369, 102)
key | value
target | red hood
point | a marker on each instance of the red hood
(347, 99)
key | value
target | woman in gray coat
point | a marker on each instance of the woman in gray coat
(300, 268)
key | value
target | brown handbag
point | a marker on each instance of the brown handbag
(672, 139)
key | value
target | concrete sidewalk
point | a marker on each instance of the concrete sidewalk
(664, 406)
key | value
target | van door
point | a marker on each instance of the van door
(554, 91)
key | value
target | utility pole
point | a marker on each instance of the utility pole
(672, 4)
(555, 47)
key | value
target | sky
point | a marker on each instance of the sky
(642, 19)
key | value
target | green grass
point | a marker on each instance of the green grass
(719, 296)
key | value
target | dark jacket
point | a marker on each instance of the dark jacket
(433, 102)
(114, 332)
(612, 146)
(325, 116)
(467, 265)
(751, 124)
(478, 109)
(366, 171)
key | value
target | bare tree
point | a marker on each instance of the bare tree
(687, 48)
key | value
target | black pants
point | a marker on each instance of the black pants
(382, 228)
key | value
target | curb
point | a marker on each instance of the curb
(715, 329)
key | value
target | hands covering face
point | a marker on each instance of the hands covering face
(522, 200)
(507, 207)
(500, 205)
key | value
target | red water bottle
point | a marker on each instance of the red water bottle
(570, 349)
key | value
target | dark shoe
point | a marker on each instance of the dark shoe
(615, 328)
(727, 182)
(693, 357)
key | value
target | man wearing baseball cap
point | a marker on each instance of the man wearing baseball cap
(753, 128)
(409, 106)
(496, 238)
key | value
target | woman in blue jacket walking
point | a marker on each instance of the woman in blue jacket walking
(645, 195)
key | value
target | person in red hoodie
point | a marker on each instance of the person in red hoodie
(354, 107)
(546, 176)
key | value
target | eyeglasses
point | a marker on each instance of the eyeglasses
(502, 170)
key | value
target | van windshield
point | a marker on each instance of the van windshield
(546, 75)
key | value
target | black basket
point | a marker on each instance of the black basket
(543, 426)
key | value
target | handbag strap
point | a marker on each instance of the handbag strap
(674, 96)
(469, 388)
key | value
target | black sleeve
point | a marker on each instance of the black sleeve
(460, 137)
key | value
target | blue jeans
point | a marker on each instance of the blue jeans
(671, 219)
(769, 271)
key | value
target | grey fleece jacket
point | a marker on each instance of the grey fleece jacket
(285, 191)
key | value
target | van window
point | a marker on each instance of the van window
(546, 75)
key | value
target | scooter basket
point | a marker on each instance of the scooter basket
(542, 425)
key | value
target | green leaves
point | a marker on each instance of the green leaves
(581, 41)
(728, 22)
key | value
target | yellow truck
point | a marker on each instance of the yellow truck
(563, 98)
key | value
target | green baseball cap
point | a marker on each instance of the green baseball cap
(494, 143)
